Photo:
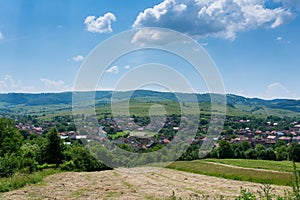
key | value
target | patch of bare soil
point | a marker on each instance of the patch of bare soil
(136, 183)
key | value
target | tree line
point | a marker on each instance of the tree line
(26, 153)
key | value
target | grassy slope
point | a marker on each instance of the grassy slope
(228, 172)
(282, 166)
(19, 180)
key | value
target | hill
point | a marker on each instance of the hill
(135, 183)
(55, 103)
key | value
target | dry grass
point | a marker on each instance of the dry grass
(136, 183)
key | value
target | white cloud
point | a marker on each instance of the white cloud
(279, 38)
(101, 24)
(277, 90)
(1, 36)
(9, 84)
(127, 67)
(78, 58)
(154, 37)
(214, 18)
(113, 69)
(55, 86)
(282, 40)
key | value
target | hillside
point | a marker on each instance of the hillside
(55, 103)
(136, 183)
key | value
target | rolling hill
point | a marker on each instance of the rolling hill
(22, 103)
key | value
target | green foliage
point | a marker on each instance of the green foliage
(246, 195)
(54, 148)
(10, 138)
(294, 152)
(296, 183)
(281, 153)
(19, 180)
(78, 158)
(9, 164)
(225, 150)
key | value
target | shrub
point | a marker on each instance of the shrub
(9, 164)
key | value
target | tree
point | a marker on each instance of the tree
(280, 143)
(251, 154)
(281, 153)
(53, 148)
(225, 149)
(294, 152)
(10, 138)
(261, 151)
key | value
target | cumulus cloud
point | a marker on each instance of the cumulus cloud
(113, 69)
(1, 36)
(78, 58)
(277, 90)
(9, 84)
(154, 37)
(55, 86)
(215, 18)
(101, 24)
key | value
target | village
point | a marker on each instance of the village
(140, 135)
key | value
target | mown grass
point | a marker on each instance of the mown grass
(19, 180)
(228, 172)
(283, 166)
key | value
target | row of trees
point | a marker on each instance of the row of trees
(244, 150)
(280, 151)
(22, 152)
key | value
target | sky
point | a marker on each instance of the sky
(254, 44)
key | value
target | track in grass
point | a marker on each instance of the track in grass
(234, 173)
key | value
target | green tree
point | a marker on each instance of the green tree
(10, 138)
(225, 149)
(281, 153)
(260, 151)
(251, 154)
(54, 148)
(294, 152)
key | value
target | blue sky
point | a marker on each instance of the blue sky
(255, 44)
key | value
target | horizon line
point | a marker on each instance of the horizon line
(179, 92)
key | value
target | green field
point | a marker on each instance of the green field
(282, 166)
(206, 167)
(19, 180)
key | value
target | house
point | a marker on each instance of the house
(140, 128)
(272, 137)
(296, 139)
(166, 141)
(150, 144)
(285, 138)
(79, 137)
(280, 134)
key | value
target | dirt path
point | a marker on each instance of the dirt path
(248, 168)
(138, 183)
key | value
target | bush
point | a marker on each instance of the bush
(246, 195)
(9, 164)
(68, 166)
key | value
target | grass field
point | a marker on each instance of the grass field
(19, 180)
(283, 166)
(206, 167)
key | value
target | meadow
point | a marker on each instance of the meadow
(242, 170)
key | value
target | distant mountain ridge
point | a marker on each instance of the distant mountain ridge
(44, 99)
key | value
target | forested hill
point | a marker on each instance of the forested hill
(65, 98)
